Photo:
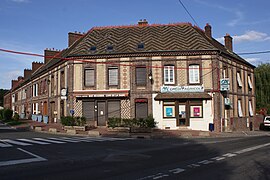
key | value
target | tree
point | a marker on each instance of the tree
(2, 93)
(262, 83)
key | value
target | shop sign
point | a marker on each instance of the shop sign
(169, 111)
(224, 84)
(63, 94)
(177, 89)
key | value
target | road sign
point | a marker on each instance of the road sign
(224, 84)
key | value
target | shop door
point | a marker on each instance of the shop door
(182, 118)
(101, 116)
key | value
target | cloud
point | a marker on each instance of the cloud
(248, 36)
(239, 17)
(20, 1)
(253, 60)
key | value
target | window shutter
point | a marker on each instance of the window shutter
(88, 109)
(113, 76)
(114, 109)
(250, 108)
(141, 76)
(141, 110)
(239, 81)
(89, 77)
(249, 82)
(240, 112)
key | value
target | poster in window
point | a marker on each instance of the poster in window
(196, 112)
(169, 112)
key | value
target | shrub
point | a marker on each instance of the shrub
(16, 117)
(80, 121)
(114, 122)
(68, 121)
(7, 114)
(2, 114)
(148, 122)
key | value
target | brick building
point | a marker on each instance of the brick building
(177, 72)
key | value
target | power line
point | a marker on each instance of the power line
(258, 52)
(188, 13)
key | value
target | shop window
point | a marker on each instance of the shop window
(169, 74)
(239, 80)
(240, 112)
(113, 76)
(194, 74)
(250, 85)
(141, 76)
(89, 78)
(250, 108)
(114, 109)
(141, 108)
(168, 109)
(196, 111)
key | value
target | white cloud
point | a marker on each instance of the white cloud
(253, 60)
(248, 36)
(239, 17)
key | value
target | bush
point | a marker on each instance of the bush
(2, 114)
(114, 122)
(73, 121)
(148, 122)
(7, 114)
(16, 117)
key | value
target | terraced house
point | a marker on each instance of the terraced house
(177, 72)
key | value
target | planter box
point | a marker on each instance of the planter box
(119, 129)
(22, 116)
(46, 119)
(78, 128)
(39, 118)
(140, 130)
(34, 117)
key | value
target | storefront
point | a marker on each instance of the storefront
(179, 107)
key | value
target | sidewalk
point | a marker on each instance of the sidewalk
(157, 133)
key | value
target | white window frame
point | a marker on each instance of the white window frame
(240, 112)
(194, 73)
(169, 71)
(250, 108)
(250, 85)
(110, 76)
(239, 80)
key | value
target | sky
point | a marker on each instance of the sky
(34, 25)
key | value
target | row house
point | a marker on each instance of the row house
(177, 72)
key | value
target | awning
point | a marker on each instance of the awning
(163, 96)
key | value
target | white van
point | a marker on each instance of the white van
(266, 121)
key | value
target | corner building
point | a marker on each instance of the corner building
(177, 72)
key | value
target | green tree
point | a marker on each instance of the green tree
(2, 93)
(262, 83)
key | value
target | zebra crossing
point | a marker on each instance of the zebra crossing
(5, 143)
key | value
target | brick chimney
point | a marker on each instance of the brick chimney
(27, 73)
(228, 42)
(20, 78)
(143, 22)
(73, 37)
(49, 54)
(208, 30)
(35, 66)
(14, 84)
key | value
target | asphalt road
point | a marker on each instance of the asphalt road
(50, 156)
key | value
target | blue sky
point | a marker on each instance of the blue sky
(33, 25)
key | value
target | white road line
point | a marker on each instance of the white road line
(5, 145)
(252, 148)
(160, 175)
(48, 140)
(229, 155)
(16, 142)
(218, 158)
(177, 170)
(205, 162)
(23, 161)
(80, 139)
(33, 141)
(193, 165)
(66, 140)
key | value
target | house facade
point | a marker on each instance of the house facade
(177, 72)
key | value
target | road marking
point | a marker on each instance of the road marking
(33, 141)
(205, 162)
(23, 161)
(5, 145)
(177, 170)
(63, 139)
(16, 142)
(48, 140)
(229, 155)
(160, 175)
(252, 148)
(218, 158)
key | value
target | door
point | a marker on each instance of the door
(89, 110)
(182, 119)
(101, 114)
(45, 109)
(52, 112)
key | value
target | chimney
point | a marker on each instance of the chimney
(35, 66)
(228, 42)
(73, 37)
(14, 84)
(143, 22)
(27, 73)
(208, 30)
(20, 78)
(49, 54)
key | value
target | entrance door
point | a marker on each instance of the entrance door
(52, 109)
(182, 118)
(101, 116)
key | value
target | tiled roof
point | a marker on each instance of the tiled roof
(125, 39)
(168, 96)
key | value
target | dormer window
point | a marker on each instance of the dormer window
(93, 48)
(141, 46)
(110, 48)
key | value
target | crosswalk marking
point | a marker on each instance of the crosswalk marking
(80, 139)
(16, 142)
(33, 141)
(66, 140)
(51, 141)
(5, 145)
